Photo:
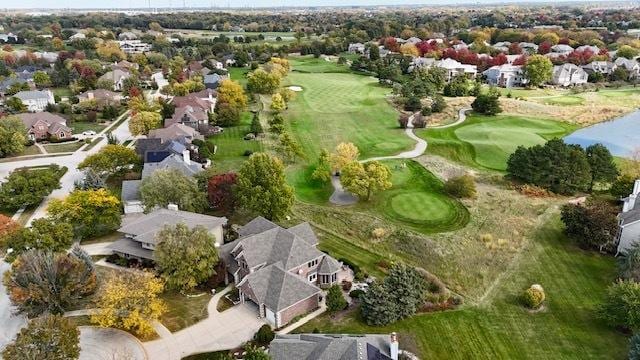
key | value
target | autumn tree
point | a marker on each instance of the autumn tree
(592, 225)
(344, 154)
(262, 186)
(289, 147)
(44, 234)
(27, 187)
(45, 282)
(322, 172)
(15, 104)
(129, 301)
(365, 179)
(262, 82)
(185, 257)
(170, 186)
(7, 228)
(110, 160)
(277, 103)
(110, 51)
(91, 212)
(50, 337)
(13, 136)
(221, 192)
(231, 102)
(538, 70)
(144, 121)
(621, 306)
(41, 79)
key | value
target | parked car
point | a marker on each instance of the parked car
(89, 133)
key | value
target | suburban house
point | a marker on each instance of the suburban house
(204, 100)
(528, 47)
(102, 97)
(334, 347)
(77, 36)
(36, 100)
(139, 232)
(629, 221)
(188, 115)
(562, 49)
(175, 132)
(127, 35)
(506, 75)
(212, 81)
(356, 48)
(593, 49)
(156, 150)
(631, 66)
(134, 46)
(117, 76)
(452, 67)
(43, 125)
(569, 75)
(5, 38)
(600, 67)
(280, 270)
(125, 65)
(8, 82)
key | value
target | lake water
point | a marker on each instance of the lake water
(621, 136)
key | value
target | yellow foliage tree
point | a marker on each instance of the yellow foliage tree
(230, 92)
(110, 51)
(409, 49)
(144, 121)
(277, 103)
(282, 62)
(344, 154)
(364, 179)
(129, 301)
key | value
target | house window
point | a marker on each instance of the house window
(313, 277)
(334, 277)
(312, 263)
(325, 279)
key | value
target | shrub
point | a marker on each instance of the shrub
(356, 294)
(264, 335)
(438, 104)
(247, 153)
(413, 104)
(533, 297)
(634, 347)
(378, 233)
(335, 300)
(461, 187)
(426, 111)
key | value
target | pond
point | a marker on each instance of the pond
(621, 136)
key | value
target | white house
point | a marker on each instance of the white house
(562, 49)
(593, 49)
(117, 76)
(356, 48)
(506, 75)
(134, 46)
(569, 75)
(455, 68)
(629, 221)
(631, 66)
(601, 67)
(77, 36)
(36, 100)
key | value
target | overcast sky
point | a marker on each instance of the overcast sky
(35, 4)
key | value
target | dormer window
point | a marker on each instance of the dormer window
(312, 263)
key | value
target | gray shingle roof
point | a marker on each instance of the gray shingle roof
(632, 215)
(130, 190)
(256, 226)
(172, 161)
(328, 265)
(277, 288)
(276, 245)
(128, 246)
(305, 231)
(32, 95)
(329, 347)
(144, 228)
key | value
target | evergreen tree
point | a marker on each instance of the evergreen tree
(603, 169)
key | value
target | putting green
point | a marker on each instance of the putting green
(419, 206)
(566, 100)
(488, 141)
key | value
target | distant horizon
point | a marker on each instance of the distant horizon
(39, 5)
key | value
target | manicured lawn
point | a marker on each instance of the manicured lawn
(565, 100)
(416, 200)
(487, 141)
(232, 146)
(309, 64)
(62, 92)
(80, 126)
(239, 75)
(183, 311)
(499, 328)
(64, 147)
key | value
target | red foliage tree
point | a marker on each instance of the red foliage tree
(426, 47)
(515, 49)
(7, 226)
(580, 57)
(544, 48)
(391, 44)
(220, 191)
(499, 59)
(521, 61)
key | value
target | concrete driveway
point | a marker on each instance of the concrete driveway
(10, 324)
(98, 343)
(220, 331)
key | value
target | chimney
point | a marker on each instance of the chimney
(90, 95)
(393, 346)
(186, 157)
(629, 203)
(636, 187)
(172, 207)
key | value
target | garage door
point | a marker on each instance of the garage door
(271, 317)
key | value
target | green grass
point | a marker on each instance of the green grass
(64, 147)
(231, 145)
(310, 64)
(81, 126)
(183, 311)
(500, 328)
(565, 100)
(239, 75)
(487, 141)
(340, 248)
(62, 92)
(416, 200)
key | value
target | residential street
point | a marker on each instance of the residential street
(70, 161)
(10, 323)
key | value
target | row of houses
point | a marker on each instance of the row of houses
(509, 75)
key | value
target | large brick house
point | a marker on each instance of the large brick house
(280, 270)
(45, 125)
